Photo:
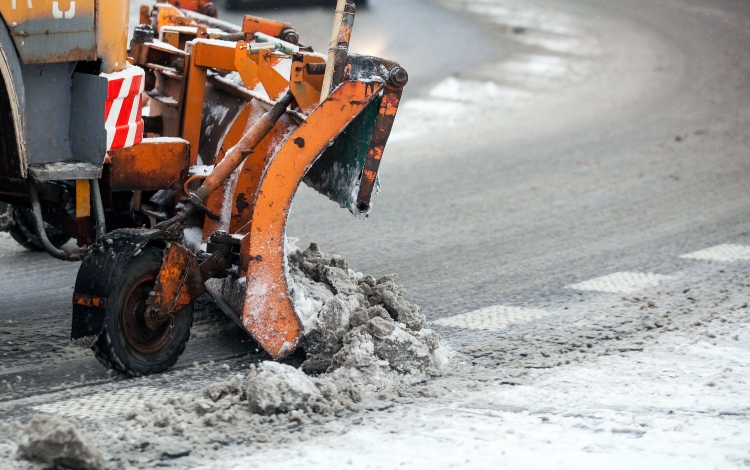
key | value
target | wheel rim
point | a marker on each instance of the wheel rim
(137, 334)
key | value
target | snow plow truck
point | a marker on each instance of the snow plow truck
(172, 161)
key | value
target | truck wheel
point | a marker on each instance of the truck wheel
(24, 233)
(127, 345)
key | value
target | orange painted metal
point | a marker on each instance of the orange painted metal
(246, 183)
(274, 83)
(201, 6)
(83, 198)
(195, 91)
(235, 156)
(268, 311)
(254, 24)
(213, 55)
(179, 283)
(145, 14)
(215, 201)
(168, 15)
(89, 300)
(246, 66)
(248, 180)
(316, 80)
(383, 125)
(111, 31)
(303, 84)
(151, 165)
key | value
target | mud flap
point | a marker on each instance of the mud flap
(98, 274)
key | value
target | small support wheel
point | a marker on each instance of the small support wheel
(127, 345)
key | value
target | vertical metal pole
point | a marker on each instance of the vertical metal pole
(337, 20)
(341, 54)
(96, 197)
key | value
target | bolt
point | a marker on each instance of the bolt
(209, 9)
(290, 35)
(398, 77)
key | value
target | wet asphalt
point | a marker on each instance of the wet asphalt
(644, 159)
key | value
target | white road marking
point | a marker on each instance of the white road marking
(103, 405)
(623, 282)
(725, 252)
(496, 317)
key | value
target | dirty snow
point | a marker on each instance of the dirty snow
(55, 442)
(653, 380)
(356, 322)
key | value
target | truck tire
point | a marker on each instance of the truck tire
(126, 344)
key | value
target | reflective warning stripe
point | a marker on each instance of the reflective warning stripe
(122, 110)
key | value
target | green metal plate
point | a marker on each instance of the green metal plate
(337, 172)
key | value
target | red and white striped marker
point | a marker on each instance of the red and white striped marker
(122, 111)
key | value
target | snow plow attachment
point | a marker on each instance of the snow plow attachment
(237, 118)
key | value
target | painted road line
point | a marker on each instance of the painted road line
(103, 405)
(496, 317)
(725, 252)
(622, 283)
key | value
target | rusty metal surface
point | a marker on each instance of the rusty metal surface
(178, 284)
(243, 93)
(112, 34)
(383, 125)
(248, 180)
(274, 83)
(341, 52)
(255, 24)
(47, 31)
(305, 93)
(151, 165)
(89, 300)
(268, 313)
(236, 155)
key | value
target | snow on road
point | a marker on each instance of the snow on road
(559, 50)
(670, 391)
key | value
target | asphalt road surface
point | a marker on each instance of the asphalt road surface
(540, 145)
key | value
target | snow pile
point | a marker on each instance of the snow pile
(55, 442)
(364, 342)
(356, 322)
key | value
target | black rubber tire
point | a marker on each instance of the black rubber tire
(25, 234)
(113, 349)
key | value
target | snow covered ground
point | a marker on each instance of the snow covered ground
(667, 389)
(643, 370)
(556, 49)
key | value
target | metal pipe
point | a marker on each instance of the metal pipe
(281, 45)
(76, 254)
(338, 48)
(96, 198)
(342, 48)
(212, 22)
(232, 159)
